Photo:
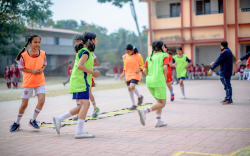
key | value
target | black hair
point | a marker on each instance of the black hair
(179, 47)
(78, 37)
(202, 64)
(70, 62)
(224, 44)
(130, 47)
(165, 46)
(197, 65)
(86, 40)
(157, 45)
(28, 41)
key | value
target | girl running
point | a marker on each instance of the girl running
(7, 77)
(81, 80)
(180, 62)
(133, 66)
(169, 75)
(32, 63)
(156, 69)
(96, 111)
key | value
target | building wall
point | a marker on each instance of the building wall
(205, 54)
(163, 7)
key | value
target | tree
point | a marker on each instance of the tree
(13, 16)
(120, 3)
(66, 24)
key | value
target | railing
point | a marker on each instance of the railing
(167, 16)
(245, 9)
(209, 12)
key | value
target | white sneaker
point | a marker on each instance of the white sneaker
(183, 97)
(162, 124)
(84, 135)
(142, 116)
(57, 124)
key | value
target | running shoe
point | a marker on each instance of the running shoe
(84, 135)
(227, 102)
(75, 118)
(33, 124)
(172, 97)
(142, 116)
(96, 112)
(134, 107)
(162, 124)
(140, 100)
(183, 97)
(223, 101)
(57, 124)
(15, 127)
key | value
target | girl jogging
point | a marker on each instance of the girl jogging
(32, 63)
(133, 66)
(81, 81)
(156, 69)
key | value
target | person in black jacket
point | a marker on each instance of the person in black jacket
(225, 61)
(244, 57)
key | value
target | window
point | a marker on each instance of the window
(220, 4)
(203, 7)
(175, 10)
(245, 5)
(56, 40)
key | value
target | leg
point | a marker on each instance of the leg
(67, 80)
(96, 109)
(134, 90)
(171, 90)
(182, 88)
(223, 82)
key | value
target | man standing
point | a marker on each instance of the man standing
(225, 61)
(68, 72)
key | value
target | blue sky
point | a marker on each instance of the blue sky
(105, 14)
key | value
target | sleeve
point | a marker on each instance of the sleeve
(221, 58)
(173, 60)
(248, 61)
(124, 68)
(141, 63)
(188, 60)
(45, 61)
(82, 53)
(245, 56)
(21, 63)
(94, 56)
(166, 61)
(146, 64)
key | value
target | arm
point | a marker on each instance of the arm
(189, 62)
(34, 72)
(123, 73)
(81, 66)
(145, 71)
(141, 63)
(165, 70)
(42, 69)
(221, 58)
(96, 63)
(245, 56)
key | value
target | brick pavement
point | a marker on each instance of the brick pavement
(197, 126)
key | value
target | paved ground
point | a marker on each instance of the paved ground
(197, 126)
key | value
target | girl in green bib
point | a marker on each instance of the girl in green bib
(156, 69)
(80, 84)
(181, 63)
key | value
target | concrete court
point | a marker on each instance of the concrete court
(198, 125)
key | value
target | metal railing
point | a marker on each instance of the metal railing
(167, 16)
(245, 9)
(209, 12)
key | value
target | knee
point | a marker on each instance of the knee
(41, 101)
(129, 89)
(132, 88)
(163, 104)
(24, 105)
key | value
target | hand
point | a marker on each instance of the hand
(186, 67)
(174, 64)
(70, 71)
(238, 61)
(138, 71)
(96, 73)
(121, 76)
(210, 72)
(40, 71)
(35, 72)
(212, 63)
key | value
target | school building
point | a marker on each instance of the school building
(199, 26)
(58, 45)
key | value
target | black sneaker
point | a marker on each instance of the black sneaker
(140, 100)
(34, 124)
(15, 127)
(223, 101)
(227, 102)
(133, 107)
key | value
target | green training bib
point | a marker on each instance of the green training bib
(181, 63)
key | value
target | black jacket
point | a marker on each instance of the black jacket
(245, 56)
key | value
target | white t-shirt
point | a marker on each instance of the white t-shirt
(93, 54)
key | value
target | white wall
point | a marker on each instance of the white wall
(163, 7)
(53, 61)
(205, 54)
(244, 3)
(65, 41)
(48, 40)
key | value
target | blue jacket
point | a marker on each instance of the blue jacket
(225, 61)
(245, 56)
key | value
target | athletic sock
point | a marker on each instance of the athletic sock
(158, 118)
(131, 94)
(64, 116)
(19, 116)
(137, 93)
(36, 112)
(80, 124)
(78, 103)
(147, 110)
(171, 91)
(94, 104)
(182, 90)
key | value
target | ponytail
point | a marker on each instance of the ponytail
(157, 45)
(23, 50)
(86, 41)
(135, 50)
